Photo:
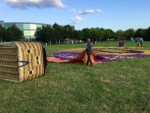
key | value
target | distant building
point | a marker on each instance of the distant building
(28, 28)
(2, 23)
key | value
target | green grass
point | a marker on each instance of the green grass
(115, 87)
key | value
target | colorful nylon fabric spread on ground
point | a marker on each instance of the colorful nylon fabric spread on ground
(99, 55)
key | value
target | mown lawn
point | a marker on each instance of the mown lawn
(115, 87)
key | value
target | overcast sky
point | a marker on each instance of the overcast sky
(113, 14)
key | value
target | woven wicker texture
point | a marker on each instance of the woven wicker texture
(21, 61)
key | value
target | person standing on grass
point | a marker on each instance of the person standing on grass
(138, 42)
(108, 40)
(141, 41)
(89, 51)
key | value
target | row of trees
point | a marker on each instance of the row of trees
(10, 34)
(57, 33)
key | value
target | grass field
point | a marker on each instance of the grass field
(114, 87)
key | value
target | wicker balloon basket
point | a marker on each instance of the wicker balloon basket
(20, 61)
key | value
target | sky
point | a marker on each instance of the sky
(108, 14)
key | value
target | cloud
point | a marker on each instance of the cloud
(91, 11)
(23, 4)
(73, 10)
(77, 20)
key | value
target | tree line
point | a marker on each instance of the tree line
(10, 34)
(59, 33)
(64, 34)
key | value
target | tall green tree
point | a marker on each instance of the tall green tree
(13, 34)
(139, 32)
(38, 34)
(147, 34)
(2, 33)
(129, 33)
(46, 34)
(57, 32)
(86, 33)
(120, 34)
(109, 34)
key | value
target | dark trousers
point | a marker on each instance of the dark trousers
(141, 43)
(89, 58)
